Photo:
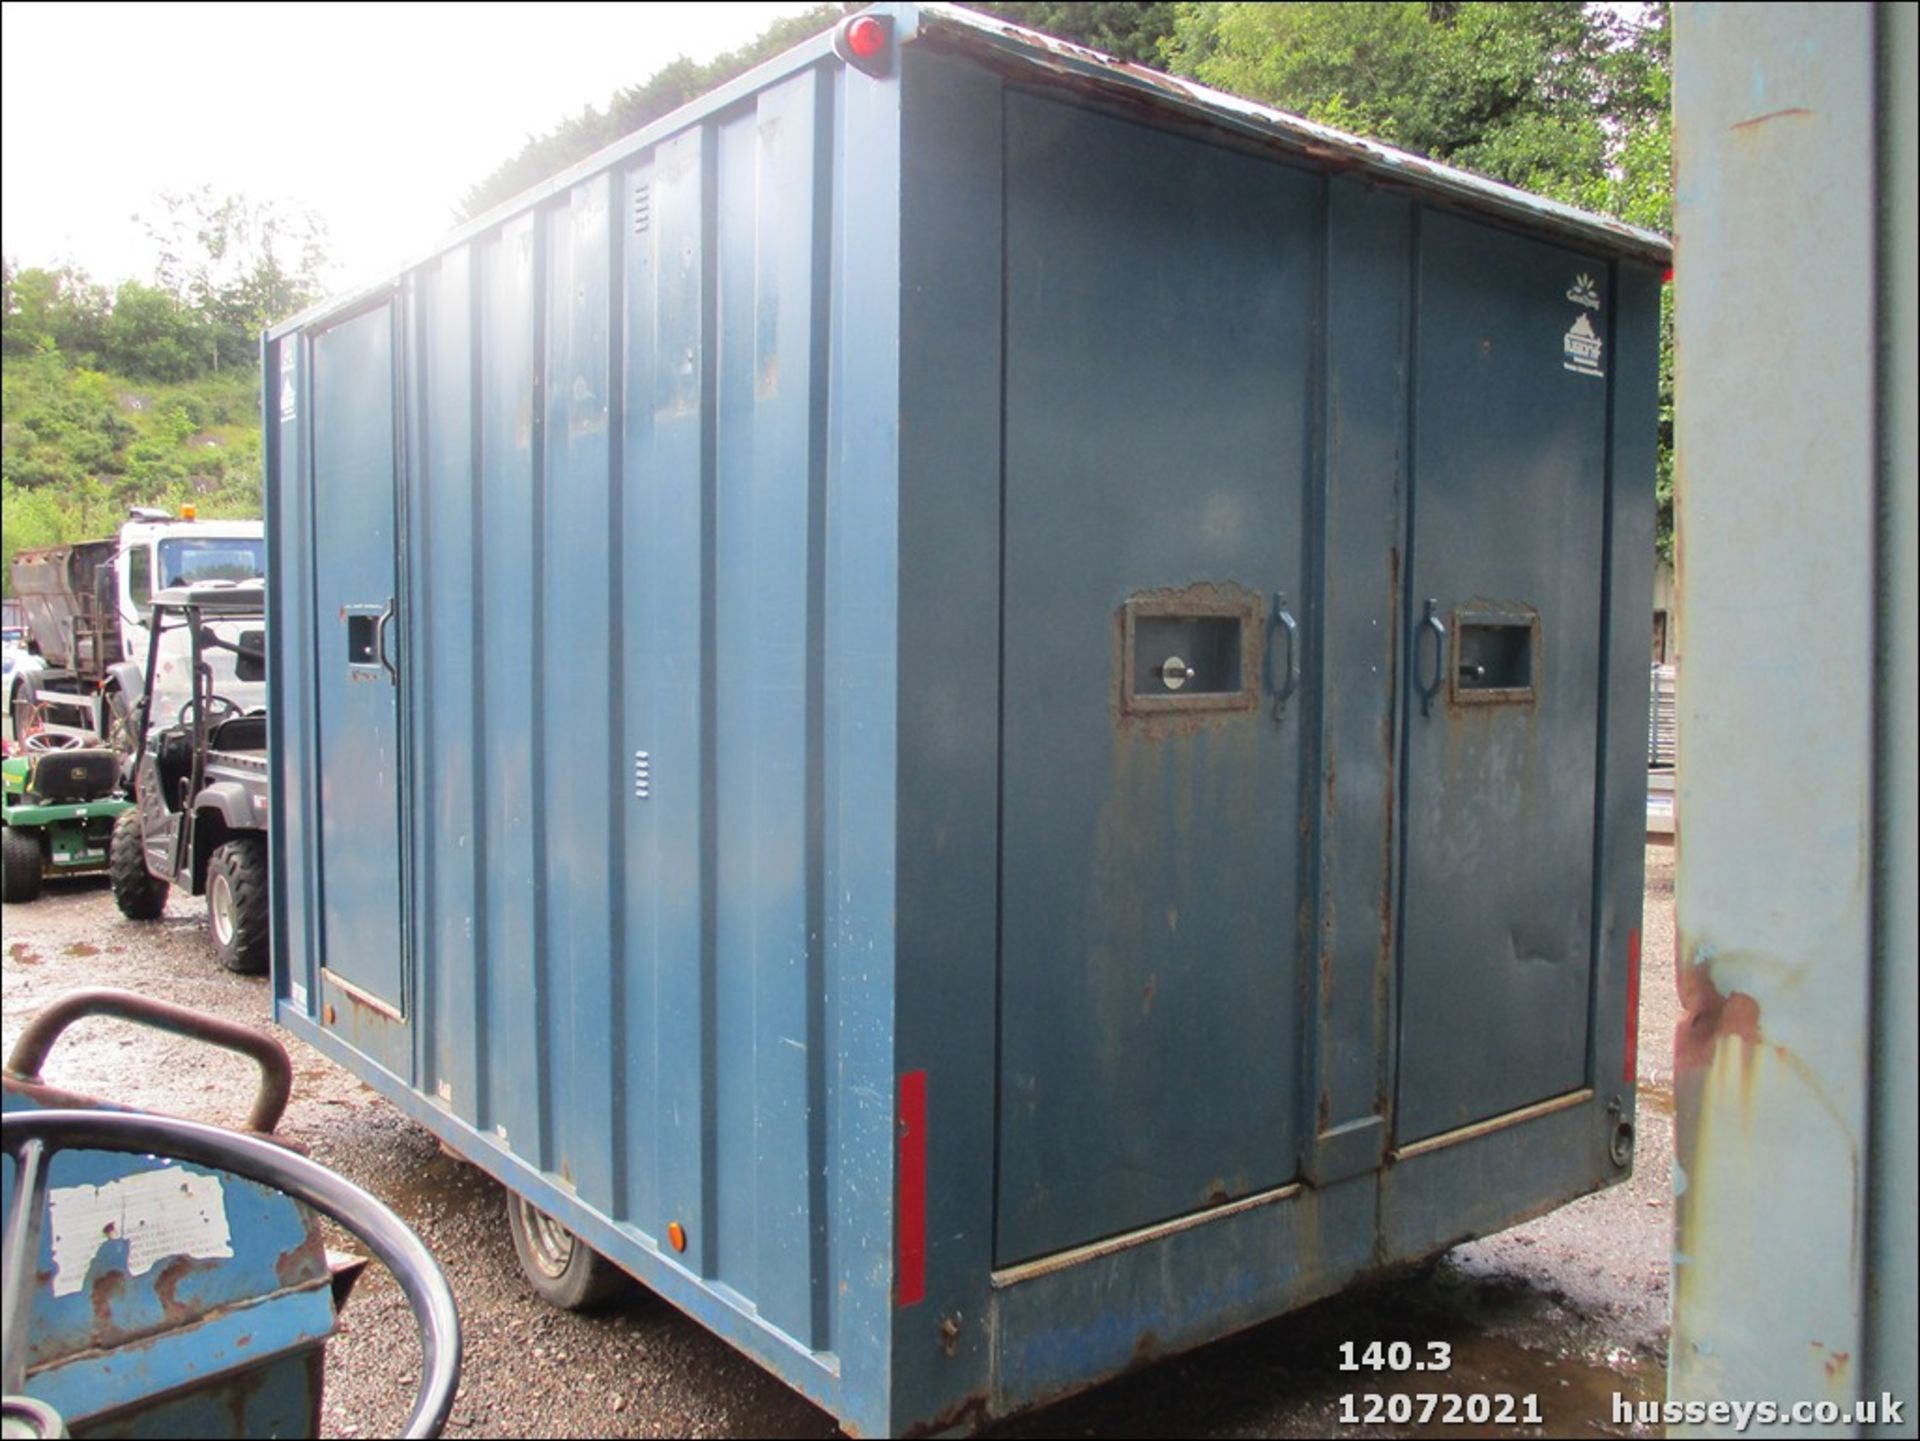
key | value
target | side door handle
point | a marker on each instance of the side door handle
(381, 653)
(1283, 681)
(1431, 622)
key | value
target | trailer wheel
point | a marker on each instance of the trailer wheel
(237, 905)
(140, 896)
(20, 862)
(563, 1270)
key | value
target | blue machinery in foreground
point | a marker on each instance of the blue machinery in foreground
(167, 1278)
(981, 712)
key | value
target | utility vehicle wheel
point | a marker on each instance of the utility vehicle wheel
(19, 864)
(139, 896)
(563, 1270)
(237, 904)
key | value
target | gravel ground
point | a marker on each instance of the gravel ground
(1571, 1307)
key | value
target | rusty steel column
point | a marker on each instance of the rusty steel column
(1795, 1115)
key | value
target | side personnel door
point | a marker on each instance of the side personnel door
(354, 532)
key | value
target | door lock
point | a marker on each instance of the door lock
(1175, 672)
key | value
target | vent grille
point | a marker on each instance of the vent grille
(642, 207)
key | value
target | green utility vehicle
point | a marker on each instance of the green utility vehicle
(59, 801)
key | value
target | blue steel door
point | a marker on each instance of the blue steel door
(1159, 318)
(1509, 470)
(354, 488)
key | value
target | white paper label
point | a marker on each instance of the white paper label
(169, 1212)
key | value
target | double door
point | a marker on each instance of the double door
(1156, 929)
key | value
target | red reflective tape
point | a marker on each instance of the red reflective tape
(1630, 1063)
(910, 1279)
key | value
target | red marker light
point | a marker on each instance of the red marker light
(866, 43)
(866, 37)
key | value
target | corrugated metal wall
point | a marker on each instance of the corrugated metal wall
(649, 582)
(614, 604)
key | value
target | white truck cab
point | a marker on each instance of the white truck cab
(161, 552)
(86, 604)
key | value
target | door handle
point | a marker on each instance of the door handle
(380, 651)
(1283, 681)
(1430, 622)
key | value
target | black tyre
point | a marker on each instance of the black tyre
(563, 1270)
(140, 896)
(20, 862)
(117, 720)
(21, 710)
(237, 905)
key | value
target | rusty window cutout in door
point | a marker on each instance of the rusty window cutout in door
(1496, 654)
(1192, 649)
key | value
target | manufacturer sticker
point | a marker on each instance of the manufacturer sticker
(169, 1212)
(1584, 291)
(1581, 348)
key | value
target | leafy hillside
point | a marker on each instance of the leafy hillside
(147, 394)
(81, 445)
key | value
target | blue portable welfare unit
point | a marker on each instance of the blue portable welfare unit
(980, 711)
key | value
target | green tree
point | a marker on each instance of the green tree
(1133, 32)
(628, 110)
(1564, 99)
(241, 264)
(59, 310)
(48, 517)
(151, 335)
(62, 425)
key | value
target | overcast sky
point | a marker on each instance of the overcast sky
(379, 117)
